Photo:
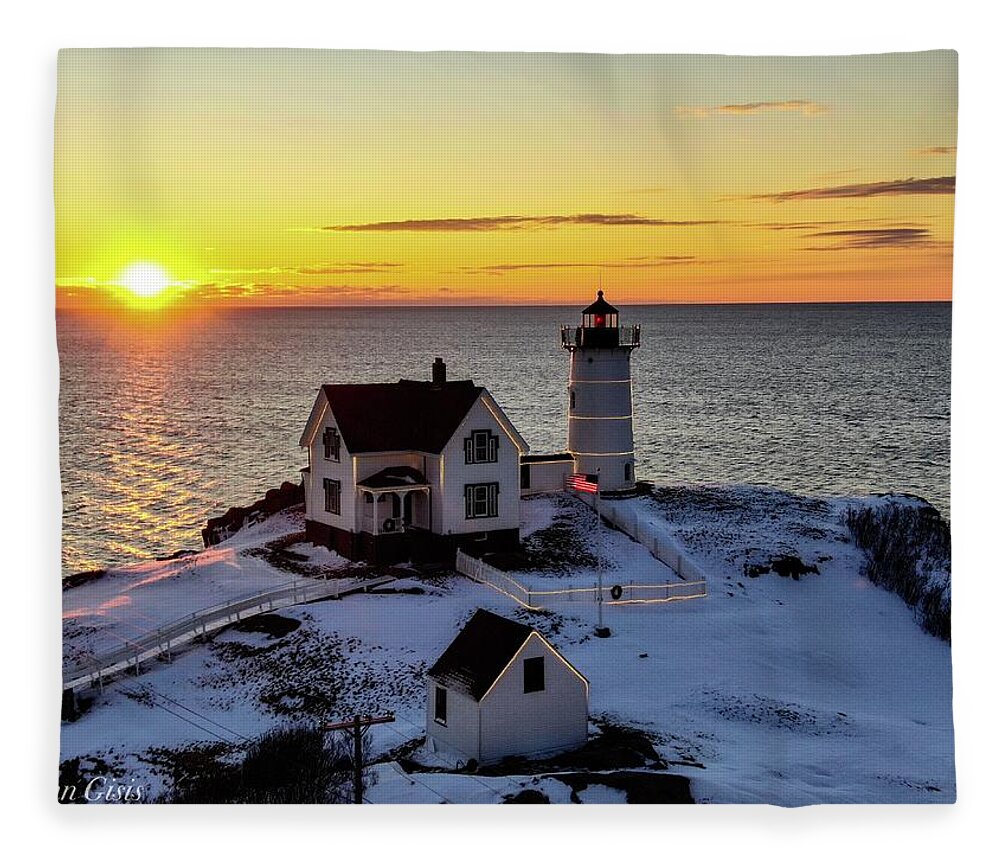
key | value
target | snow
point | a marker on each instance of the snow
(771, 690)
(622, 559)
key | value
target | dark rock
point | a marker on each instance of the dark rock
(529, 795)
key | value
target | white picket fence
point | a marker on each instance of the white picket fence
(538, 599)
(634, 521)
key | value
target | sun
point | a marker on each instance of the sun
(145, 280)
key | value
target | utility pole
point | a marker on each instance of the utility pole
(358, 727)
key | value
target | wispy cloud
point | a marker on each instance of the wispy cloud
(258, 290)
(936, 150)
(510, 222)
(646, 262)
(885, 223)
(806, 107)
(892, 237)
(315, 269)
(934, 185)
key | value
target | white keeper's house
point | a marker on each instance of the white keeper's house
(411, 469)
(501, 689)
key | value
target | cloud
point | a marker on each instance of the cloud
(890, 237)
(805, 107)
(510, 222)
(819, 225)
(936, 150)
(258, 290)
(896, 187)
(316, 269)
(648, 262)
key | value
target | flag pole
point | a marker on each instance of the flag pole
(601, 632)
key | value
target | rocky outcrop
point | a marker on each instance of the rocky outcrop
(217, 529)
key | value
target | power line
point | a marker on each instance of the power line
(190, 722)
(199, 715)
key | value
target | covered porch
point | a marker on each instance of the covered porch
(393, 501)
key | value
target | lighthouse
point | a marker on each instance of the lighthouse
(600, 396)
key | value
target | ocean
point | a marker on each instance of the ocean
(163, 426)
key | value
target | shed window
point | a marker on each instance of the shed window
(331, 444)
(331, 495)
(441, 706)
(534, 674)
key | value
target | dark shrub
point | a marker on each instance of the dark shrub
(296, 764)
(908, 551)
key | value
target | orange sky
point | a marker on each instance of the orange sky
(276, 177)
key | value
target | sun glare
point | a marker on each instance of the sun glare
(145, 279)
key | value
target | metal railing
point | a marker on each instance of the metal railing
(91, 669)
(537, 599)
(574, 336)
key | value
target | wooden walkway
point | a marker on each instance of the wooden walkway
(94, 669)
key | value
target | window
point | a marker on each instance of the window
(572, 399)
(534, 674)
(441, 706)
(331, 444)
(331, 494)
(481, 500)
(481, 447)
(525, 476)
(628, 471)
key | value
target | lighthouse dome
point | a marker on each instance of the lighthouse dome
(600, 306)
(600, 314)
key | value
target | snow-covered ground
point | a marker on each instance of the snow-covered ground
(773, 689)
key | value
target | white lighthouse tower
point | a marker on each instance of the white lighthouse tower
(600, 396)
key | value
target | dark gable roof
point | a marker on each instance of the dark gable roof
(478, 655)
(400, 416)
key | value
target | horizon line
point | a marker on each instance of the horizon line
(411, 305)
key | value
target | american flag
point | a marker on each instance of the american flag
(582, 483)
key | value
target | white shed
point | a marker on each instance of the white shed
(501, 689)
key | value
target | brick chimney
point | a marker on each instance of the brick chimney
(439, 373)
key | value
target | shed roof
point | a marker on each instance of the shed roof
(480, 653)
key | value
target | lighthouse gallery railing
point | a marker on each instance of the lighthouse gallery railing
(573, 336)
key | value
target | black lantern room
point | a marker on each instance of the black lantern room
(600, 314)
(600, 329)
